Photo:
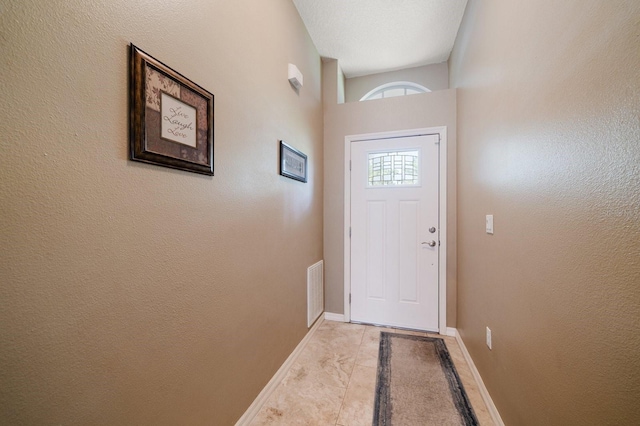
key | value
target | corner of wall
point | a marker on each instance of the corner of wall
(333, 82)
(341, 85)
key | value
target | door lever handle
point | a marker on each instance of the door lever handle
(430, 243)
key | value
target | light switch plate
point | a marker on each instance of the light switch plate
(489, 224)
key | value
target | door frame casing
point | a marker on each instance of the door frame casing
(442, 213)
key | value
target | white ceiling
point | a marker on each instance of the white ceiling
(371, 36)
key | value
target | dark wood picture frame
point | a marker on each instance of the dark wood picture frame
(171, 117)
(293, 163)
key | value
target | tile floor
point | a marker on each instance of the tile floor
(333, 380)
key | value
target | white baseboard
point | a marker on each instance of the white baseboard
(333, 317)
(476, 374)
(277, 378)
(451, 331)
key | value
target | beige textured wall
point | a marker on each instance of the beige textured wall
(399, 113)
(131, 293)
(549, 143)
(433, 77)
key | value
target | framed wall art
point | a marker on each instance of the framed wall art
(171, 117)
(293, 163)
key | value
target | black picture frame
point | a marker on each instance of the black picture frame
(170, 117)
(293, 163)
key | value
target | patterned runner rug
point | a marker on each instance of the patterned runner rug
(418, 385)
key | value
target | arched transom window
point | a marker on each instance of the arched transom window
(397, 88)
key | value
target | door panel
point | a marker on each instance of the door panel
(375, 249)
(394, 202)
(407, 254)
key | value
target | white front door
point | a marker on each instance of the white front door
(394, 232)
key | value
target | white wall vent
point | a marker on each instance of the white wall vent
(315, 292)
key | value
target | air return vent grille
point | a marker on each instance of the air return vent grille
(315, 292)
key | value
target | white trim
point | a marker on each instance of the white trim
(493, 411)
(347, 229)
(442, 279)
(277, 378)
(442, 219)
(451, 332)
(329, 316)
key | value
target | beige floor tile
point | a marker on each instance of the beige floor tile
(340, 345)
(357, 407)
(343, 340)
(368, 352)
(329, 368)
(341, 327)
(301, 402)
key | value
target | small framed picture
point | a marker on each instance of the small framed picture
(171, 117)
(293, 163)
